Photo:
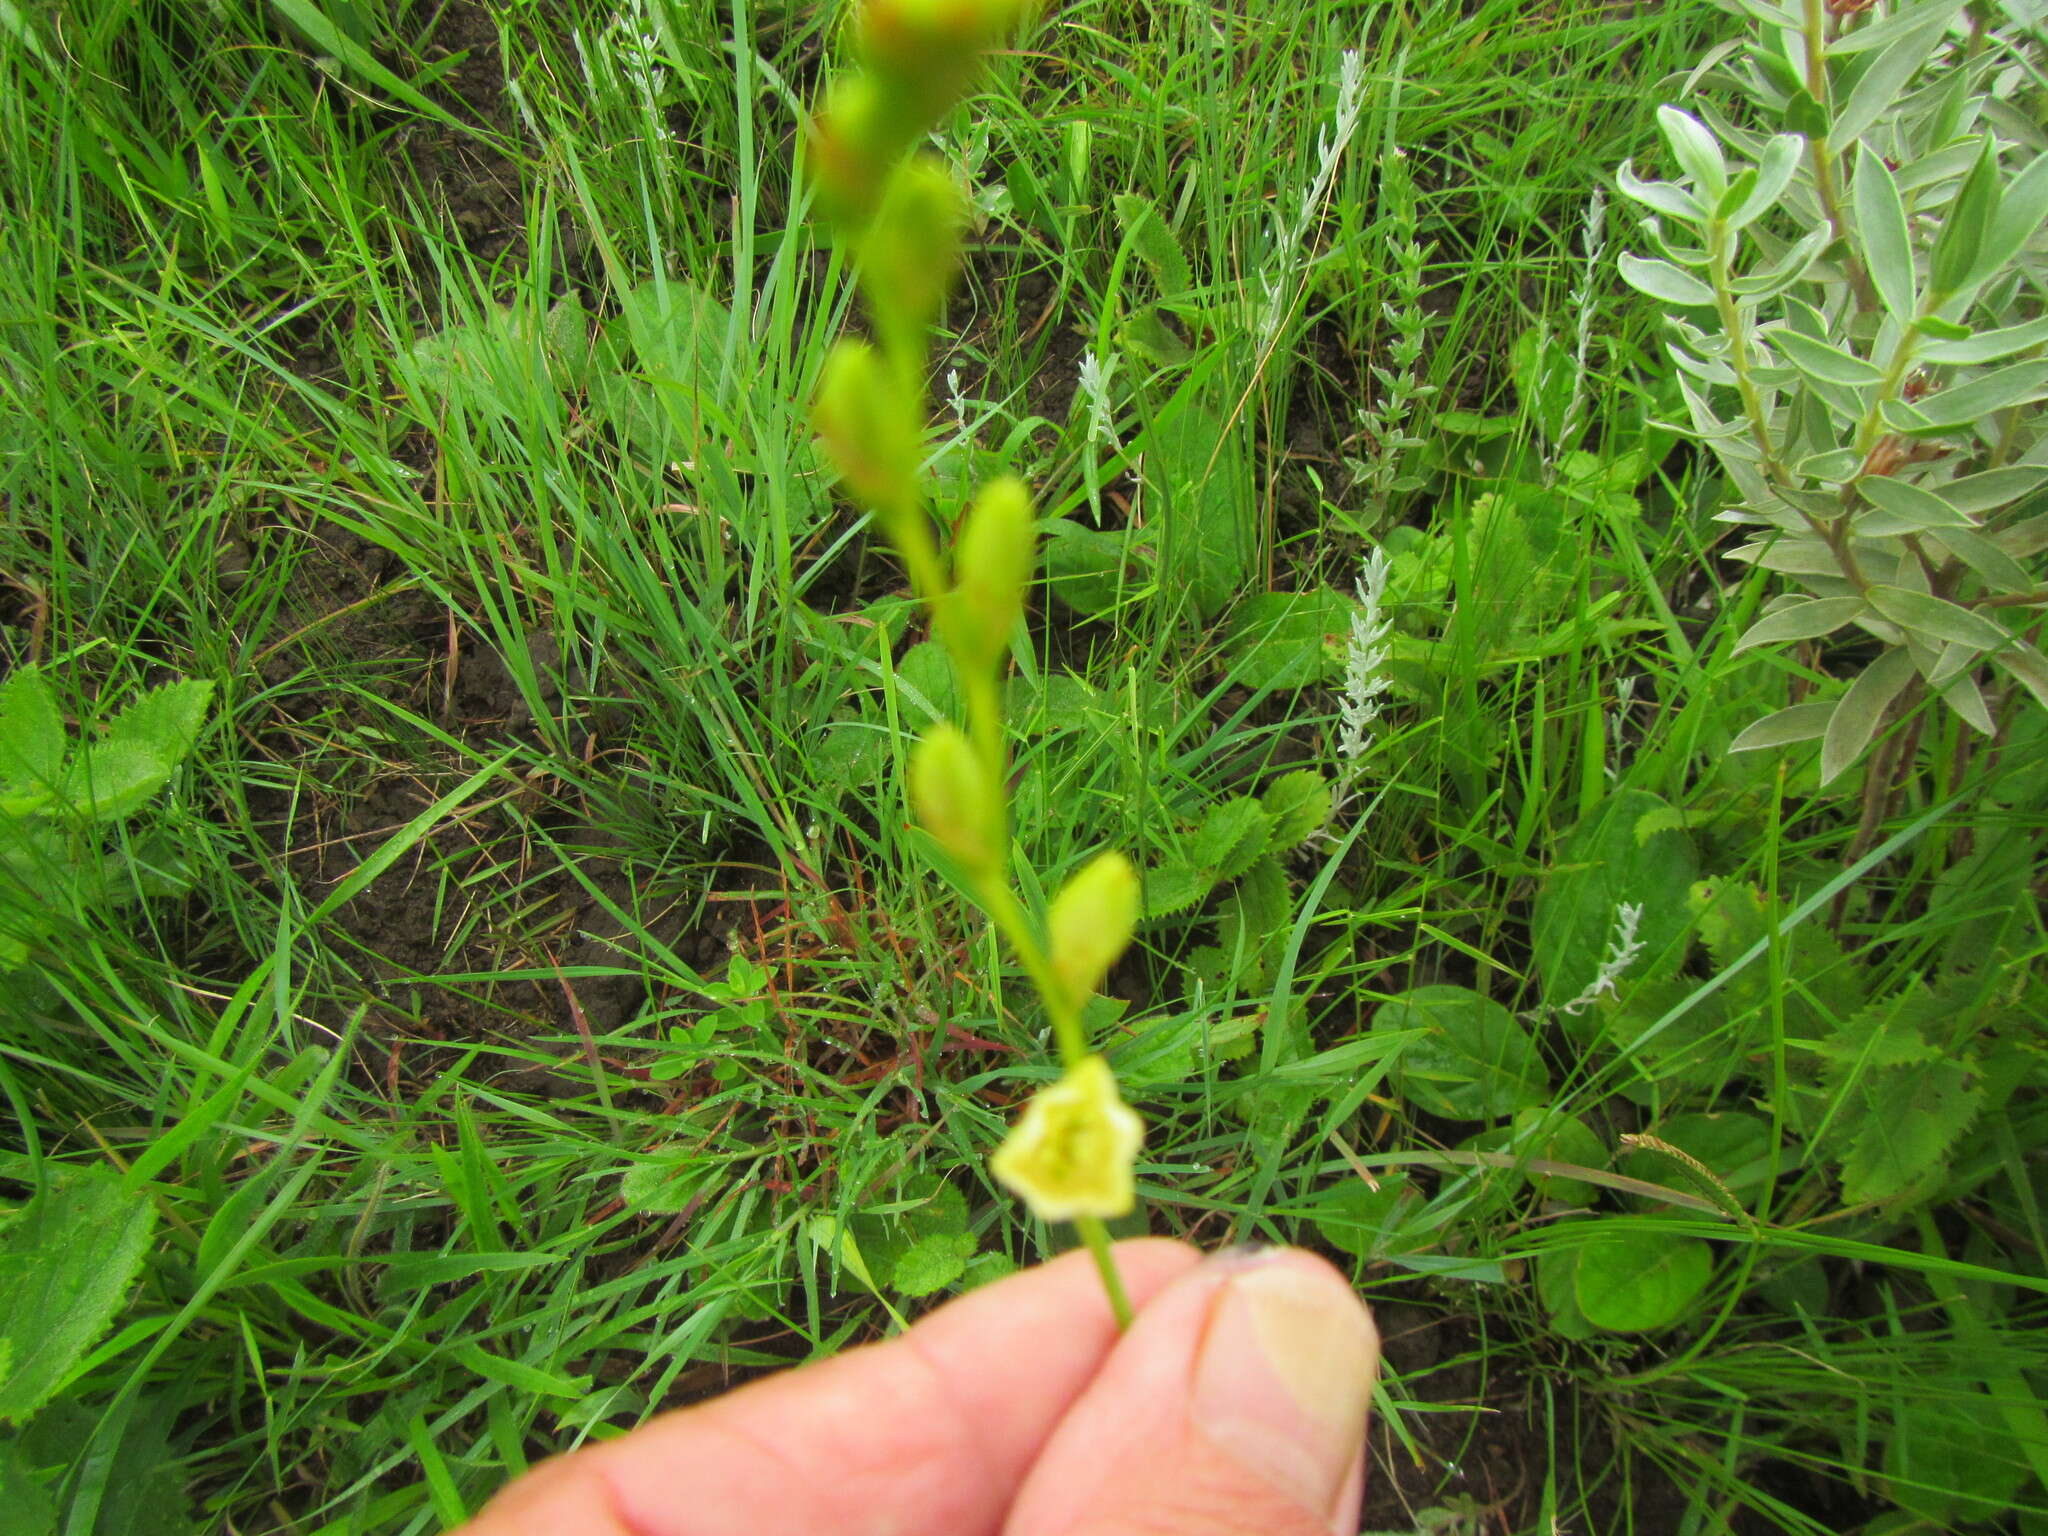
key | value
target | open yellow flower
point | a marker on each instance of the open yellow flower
(1071, 1152)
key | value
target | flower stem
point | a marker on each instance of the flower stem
(1096, 1236)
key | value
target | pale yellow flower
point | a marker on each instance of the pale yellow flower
(1071, 1152)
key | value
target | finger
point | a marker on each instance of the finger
(1234, 1407)
(932, 1431)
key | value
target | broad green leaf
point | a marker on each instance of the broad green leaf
(1473, 1062)
(65, 1267)
(1784, 728)
(1881, 232)
(1556, 1270)
(1634, 1281)
(1085, 568)
(115, 779)
(1602, 865)
(1801, 621)
(1289, 639)
(1936, 617)
(1911, 507)
(1861, 711)
(25, 1506)
(1199, 482)
(31, 738)
(1662, 280)
(1549, 1135)
(1299, 804)
(1822, 362)
(927, 684)
(1693, 146)
(1950, 1458)
(1733, 1147)
(1356, 1218)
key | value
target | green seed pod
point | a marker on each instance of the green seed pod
(992, 563)
(872, 433)
(1090, 924)
(956, 800)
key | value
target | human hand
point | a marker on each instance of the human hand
(1234, 1406)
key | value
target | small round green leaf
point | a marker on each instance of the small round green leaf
(1633, 1281)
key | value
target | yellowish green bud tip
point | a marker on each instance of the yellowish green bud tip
(1072, 1151)
(955, 799)
(1090, 924)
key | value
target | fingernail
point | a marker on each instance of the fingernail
(1284, 1378)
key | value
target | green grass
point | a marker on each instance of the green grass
(550, 672)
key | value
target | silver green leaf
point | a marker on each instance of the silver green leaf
(1936, 618)
(1861, 711)
(1881, 230)
(1799, 722)
(1662, 280)
(1692, 145)
(1822, 362)
(1801, 621)
(1911, 507)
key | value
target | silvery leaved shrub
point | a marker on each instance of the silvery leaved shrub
(1850, 262)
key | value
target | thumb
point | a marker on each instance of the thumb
(1235, 1406)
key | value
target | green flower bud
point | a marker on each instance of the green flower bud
(871, 431)
(929, 48)
(1072, 1151)
(911, 252)
(854, 141)
(956, 801)
(992, 562)
(1090, 924)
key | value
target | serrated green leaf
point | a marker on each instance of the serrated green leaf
(1153, 239)
(1299, 803)
(1231, 838)
(1950, 1459)
(113, 779)
(1662, 280)
(166, 720)
(25, 1506)
(1890, 1033)
(932, 1263)
(1473, 1062)
(1600, 867)
(65, 1267)
(1904, 1122)
(31, 734)
(663, 1186)
(1635, 1281)
(1861, 712)
(1175, 887)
